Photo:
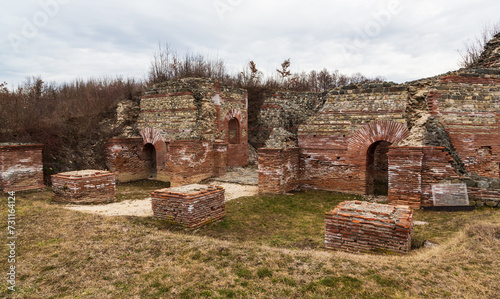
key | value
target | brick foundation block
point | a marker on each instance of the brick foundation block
(85, 186)
(190, 206)
(356, 226)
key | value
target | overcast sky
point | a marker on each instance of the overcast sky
(61, 40)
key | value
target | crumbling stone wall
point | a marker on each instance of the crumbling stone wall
(284, 109)
(467, 104)
(191, 126)
(21, 167)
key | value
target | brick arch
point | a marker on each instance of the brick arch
(384, 130)
(153, 136)
(233, 113)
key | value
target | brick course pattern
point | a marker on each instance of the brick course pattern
(84, 186)
(413, 171)
(190, 206)
(355, 226)
(198, 109)
(278, 170)
(21, 167)
(126, 158)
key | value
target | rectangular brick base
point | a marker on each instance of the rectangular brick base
(191, 206)
(85, 186)
(356, 226)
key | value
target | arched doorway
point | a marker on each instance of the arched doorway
(233, 131)
(377, 168)
(150, 157)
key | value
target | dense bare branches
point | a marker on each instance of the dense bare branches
(473, 49)
(168, 65)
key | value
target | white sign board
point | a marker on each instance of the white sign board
(450, 195)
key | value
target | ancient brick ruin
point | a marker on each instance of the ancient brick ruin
(84, 186)
(191, 206)
(21, 167)
(374, 138)
(398, 139)
(190, 130)
(356, 226)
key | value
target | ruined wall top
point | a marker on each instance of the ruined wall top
(490, 58)
(197, 86)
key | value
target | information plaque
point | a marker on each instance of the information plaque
(450, 195)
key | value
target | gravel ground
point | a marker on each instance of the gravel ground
(143, 207)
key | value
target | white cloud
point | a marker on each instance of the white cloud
(95, 38)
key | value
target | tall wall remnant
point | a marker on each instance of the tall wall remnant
(399, 139)
(190, 130)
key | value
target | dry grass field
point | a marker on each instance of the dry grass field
(266, 247)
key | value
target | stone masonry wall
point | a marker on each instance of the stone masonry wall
(467, 103)
(355, 226)
(284, 109)
(278, 170)
(21, 167)
(198, 109)
(191, 206)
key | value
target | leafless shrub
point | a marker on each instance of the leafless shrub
(473, 49)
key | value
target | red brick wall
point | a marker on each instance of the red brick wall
(338, 162)
(126, 158)
(87, 186)
(190, 161)
(355, 226)
(278, 170)
(237, 153)
(191, 206)
(413, 170)
(467, 105)
(21, 167)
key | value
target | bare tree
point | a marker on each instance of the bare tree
(473, 49)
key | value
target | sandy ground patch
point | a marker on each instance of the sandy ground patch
(143, 207)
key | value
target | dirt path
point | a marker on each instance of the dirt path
(143, 207)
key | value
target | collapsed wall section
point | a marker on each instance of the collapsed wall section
(467, 103)
(284, 109)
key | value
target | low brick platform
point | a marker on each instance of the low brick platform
(191, 206)
(84, 186)
(356, 226)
